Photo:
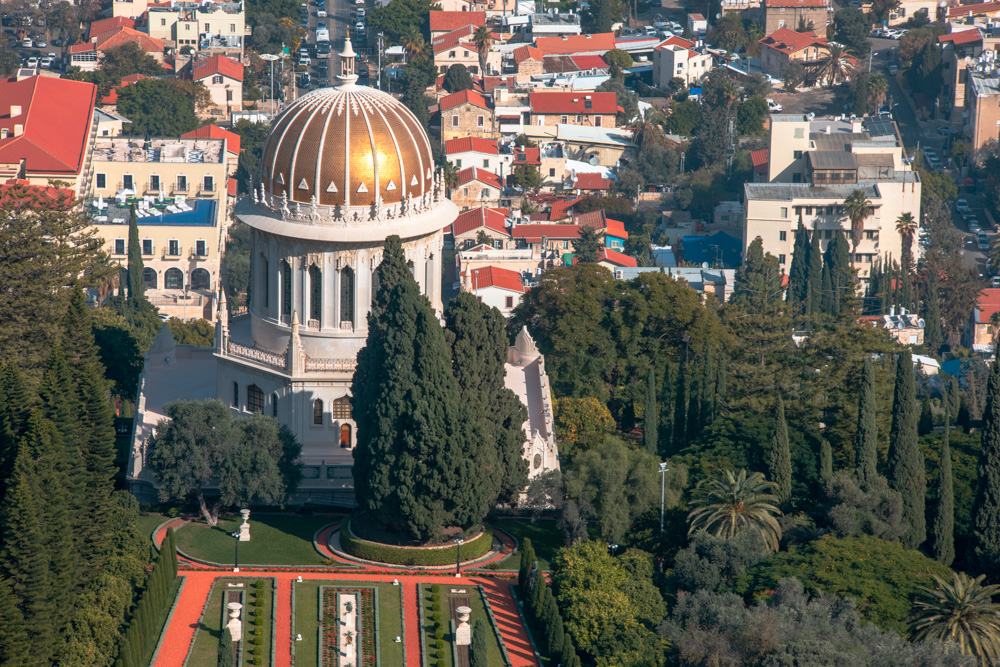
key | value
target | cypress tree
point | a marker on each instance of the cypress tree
(826, 300)
(944, 518)
(926, 423)
(719, 403)
(780, 461)
(538, 595)
(838, 260)
(227, 651)
(650, 415)
(13, 631)
(136, 286)
(390, 272)
(479, 648)
(554, 631)
(524, 569)
(549, 615)
(964, 419)
(694, 407)
(866, 437)
(798, 272)
(906, 462)
(933, 336)
(679, 439)
(568, 650)
(825, 460)
(986, 509)
(815, 271)
(666, 422)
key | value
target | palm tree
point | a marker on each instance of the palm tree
(727, 506)
(413, 44)
(449, 172)
(835, 67)
(858, 208)
(648, 130)
(963, 612)
(877, 89)
(482, 39)
(906, 227)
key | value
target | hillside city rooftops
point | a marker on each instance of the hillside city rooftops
(193, 151)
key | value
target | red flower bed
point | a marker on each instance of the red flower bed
(366, 625)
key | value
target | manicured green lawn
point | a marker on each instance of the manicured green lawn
(205, 652)
(545, 536)
(307, 620)
(149, 522)
(444, 654)
(275, 539)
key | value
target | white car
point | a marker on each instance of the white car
(321, 13)
(961, 206)
(359, 27)
(27, 43)
(32, 62)
(46, 63)
(773, 106)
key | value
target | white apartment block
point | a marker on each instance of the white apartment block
(814, 165)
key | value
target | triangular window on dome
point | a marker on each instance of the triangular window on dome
(303, 185)
(413, 181)
(391, 186)
(331, 187)
(281, 179)
(362, 188)
(429, 174)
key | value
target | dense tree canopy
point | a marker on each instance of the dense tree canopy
(161, 107)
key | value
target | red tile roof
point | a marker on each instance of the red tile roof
(592, 181)
(110, 24)
(231, 187)
(492, 218)
(573, 103)
(788, 41)
(533, 233)
(461, 36)
(218, 65)
(616, 228)
(981, 8)
(589, 62)
(527, 155)
(55, 115)
(109, 39)
(617, 258)
(560, 208)
(601, 222)
(477, 174)
(795, 3)
(523, 53)
(216, 132)
(759, 159)
(448, 21)
(601, 42)
(676, 41)
(492, 82)
(989, 303)
(470, 145)
(21, 194)
(463, 97)
(494, 276)
(963, 37)
(85, 47)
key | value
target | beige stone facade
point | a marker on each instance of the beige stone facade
(192, 24)
(982, 105)
(467, 119)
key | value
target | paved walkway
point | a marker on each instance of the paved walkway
(198, 584)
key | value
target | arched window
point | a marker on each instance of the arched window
(274, 405)
(341, 408)
(255, 399)
(286, 290)
(265, 286)
(318, 412)
(315, 294)
(149, 277)
(236, 394)
(345, 436)
(173, 279)
(347, 295)
(413, 271)
(201, 279)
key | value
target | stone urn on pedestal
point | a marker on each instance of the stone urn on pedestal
(463, 633)
(245, 527)
(234, 625)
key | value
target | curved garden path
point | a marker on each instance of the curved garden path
(198, 584)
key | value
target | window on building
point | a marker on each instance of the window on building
(274, 405)
(341, 408)
(784, 211)
(173, 279)
(454, 120)
(315, 294)
(598, 121)
(147, 246)
(345, 436)
(286, 290)
(829, 210)
(458, 164)
(128, 182)
(828, 233)
(208, 184)
(173, 247)
(149, 277)
(552, 173)
(588, 104)
(229, 96)
(564, 120)
(182, 183)
(796, 154)
(119, 246)
(782, 236)
(187, 26)
(201, 279)
(163, 21)
(781, 259)
(154, 183)
(796, 178)
(232, 28)
(809, 210)
(102, 181)
(467, 192)
(201, 248)
(318, 412)
(480, 121)
(255, 399)
(347, 295)
(486, 164)
(236, 394)
(208, 28)
(509, 302)
(871, 234)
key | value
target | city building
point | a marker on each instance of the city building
(811, 15)
(476, 187)
(233, 142)
(784, 45)
(814, 165)
(445, 22)
(960, 52)
(223, 78)
(319, 219)
(981, 332)
(470, 224)
(586, 109)
(458, 48)
(904, 327)
(199, 25)
(466, 114)
(597, 44)
(473, 152)
(677, 58)
(494, 286)
(982, 107)
(697, 25)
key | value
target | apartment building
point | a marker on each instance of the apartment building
(586, 109)
(178, 188)
(677, 58)
(961, 52)
(200, 25)
(793, 14)
(785, 45)
(982, 106)
(470, 225)
(476, 187)
(223, 78)
(458, 48)
(814, 165)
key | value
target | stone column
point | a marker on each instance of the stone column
(363, 292)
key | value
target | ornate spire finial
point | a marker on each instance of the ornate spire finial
(347, 56)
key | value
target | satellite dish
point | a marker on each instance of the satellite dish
(594, 160)
(920, 323)
(704, 265)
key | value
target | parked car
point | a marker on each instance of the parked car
(982, 242)
(45, 62)
(361, 13)
(945, 130)
(41, 43)
(773, 106)
(32, 62)
(304, 81)
(321, 13)
(893, 69)
(995, 282)
(962, 205)
(27, 43)
(359, 28)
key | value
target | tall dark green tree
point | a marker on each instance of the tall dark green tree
(926, 423)
(527, 563)
(390, 272)
(709, 392)
(815, 275)
(986, 510)
(944, 517)
(650, 415)
(136, 286)
(588, 246)
(780, 460)
(825, 460)
(906, 462)
(493, 415)
(227, 649)
(679, 439)
(798, 273)
(479, 648)
(866, 438)
(694, 405)
(933, 336)
(837, 261)
(666, 401)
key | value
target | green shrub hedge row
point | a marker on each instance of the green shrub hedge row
(382, 553)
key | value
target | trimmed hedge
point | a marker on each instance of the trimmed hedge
(384, 553)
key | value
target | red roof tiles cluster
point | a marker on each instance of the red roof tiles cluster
(471, 145)
(573, 103)
(592, 181)
(989, 303)
(617, 258)
(760, 159)
(109, 39)
(110, 24)
(448, 21)
(464, 97)
(493, 276)
(492, 218)
(601, 42)
(216, 132)
(788, 41)
(533, 233)
(963, 37)
(217, 65)
(477, 174)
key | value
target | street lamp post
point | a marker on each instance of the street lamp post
(663, 487)
(236, 557)
(270, 57)
(458, 556)
(612, 547)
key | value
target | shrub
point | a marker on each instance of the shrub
(439, 644)
(258, 640)
(258, 660)
(384, 553)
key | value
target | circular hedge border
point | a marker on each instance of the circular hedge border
(471, 549)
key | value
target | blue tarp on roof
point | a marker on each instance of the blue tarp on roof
(712, 249)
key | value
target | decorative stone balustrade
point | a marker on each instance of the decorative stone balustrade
(266, 357)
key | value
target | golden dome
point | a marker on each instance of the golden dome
(347, 140)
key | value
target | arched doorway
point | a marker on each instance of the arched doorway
(201, 279)
(149, 278)
(345, 436)
(173, 279)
